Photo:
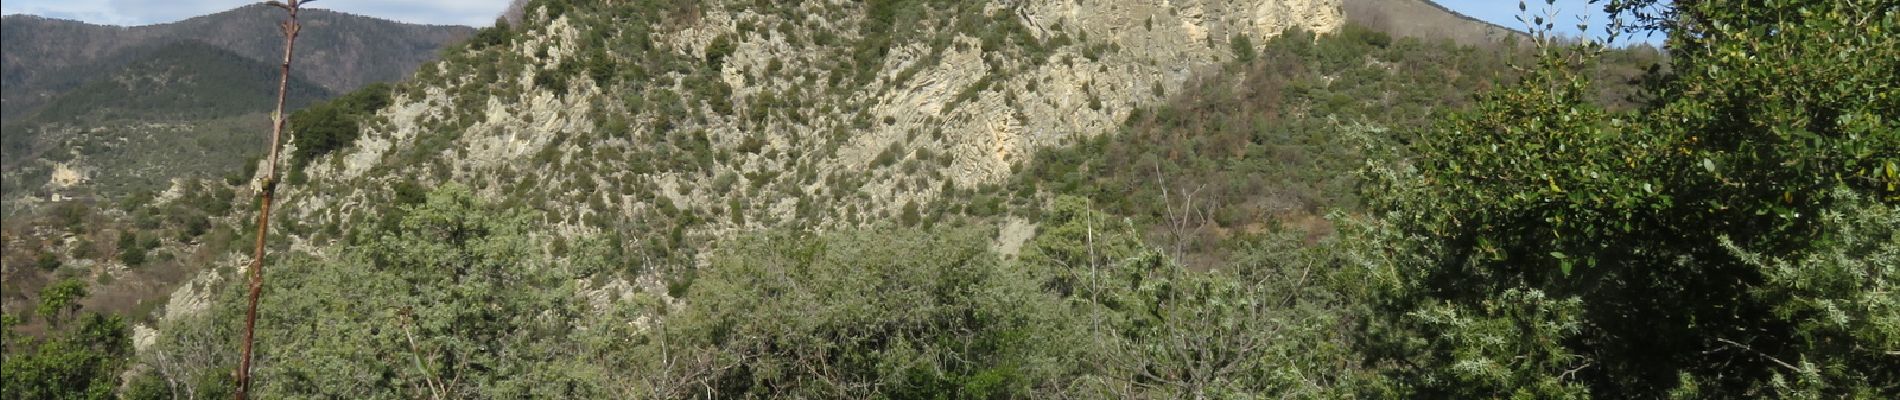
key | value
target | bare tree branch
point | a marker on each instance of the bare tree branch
(269, 185)
(1777, 361)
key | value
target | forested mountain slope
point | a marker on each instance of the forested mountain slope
(182, 97)
(1047, 199)
(45, 57)
(185, 111)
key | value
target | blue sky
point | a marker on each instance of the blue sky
(483, 12)
(1568, 12)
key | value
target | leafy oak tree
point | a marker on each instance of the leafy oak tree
(1724, 240)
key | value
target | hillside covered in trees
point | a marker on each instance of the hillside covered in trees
(45, 57)
(122, 110)
(939, 199)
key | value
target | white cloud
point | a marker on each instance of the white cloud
(450, 12)
(96, 11)
(145, 12)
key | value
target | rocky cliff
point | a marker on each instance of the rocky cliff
(717, 117)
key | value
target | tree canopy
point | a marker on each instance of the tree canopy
(1677, 249)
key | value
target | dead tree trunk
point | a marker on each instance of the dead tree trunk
(290, 29)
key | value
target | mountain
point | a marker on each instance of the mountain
(179, 81)
(720, 118)
(1141, 199)
(1033, 199)
(338, 51)
(186, 109)
(1426, 19)
(138, 106)
(707, 120)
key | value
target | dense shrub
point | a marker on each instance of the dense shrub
(899, 314)
(441, 303)
(1243, 48)
(329, 126)
(79, 357)
(496, 35)
(1678, 249)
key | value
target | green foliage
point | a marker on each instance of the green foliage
(132, 256)
(408, 193)
(735, 208)
(443, 303)
(47, 261)
(492, 36)
(130, 251)
(143, 155)
(59, 299)
(869, 314)
(70, 216)
(554, 8)
(891, 23)
(717, 51)
(55, 55)
(246, 171)
(181, 81)
(192, 357)
(909, 216)
(1243, 48)
(177, 110)
(329, 126)
(1660, 221)
(1263, 326)
(1838, 298)
(1275, 145)
(1732, 238)
(82, 359)
(179, 100)
(1511, 346)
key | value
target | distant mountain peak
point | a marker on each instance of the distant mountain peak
(46, 56)
(1425, 19)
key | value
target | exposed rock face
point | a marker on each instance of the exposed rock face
(789, 136)
(949, 110)
(64, 176)
(1151, 44)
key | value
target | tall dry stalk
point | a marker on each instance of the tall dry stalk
(290, 29)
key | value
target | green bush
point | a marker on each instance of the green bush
(889, 156)
(717, 51)
(80, 357)
(1242, 46)
(47, 261)
(905, 314)
(1693, 234)
(131, 252)
(443, 302)
(329, 126)
(492, 36)
(909, 216)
